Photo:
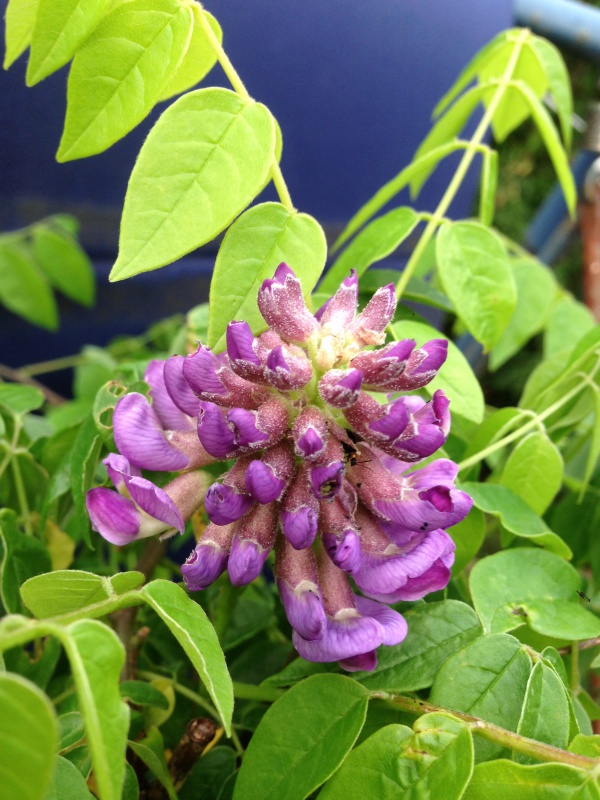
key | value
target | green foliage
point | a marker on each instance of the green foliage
(78, 702)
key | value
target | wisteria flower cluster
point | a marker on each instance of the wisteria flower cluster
(321, 467)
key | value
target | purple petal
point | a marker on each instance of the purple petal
(393, 624)
(393, 423)
(203, 566)
(262, 483)
(299, 526)
(369, 326)
(200, 371)
(240, 343)
(304, 609)
(346, 636)
(245, 561)
(114, 517)
(339, 311)
(326, 480)
(140, 438)
(341, 388)
(365, 662)
(119, 469)
(178, 388)
(214, 431)
(156, 503)
(171, 417)
(282, 306)
(247, 433)
(224, 504)
(343, 549)
(310, 444)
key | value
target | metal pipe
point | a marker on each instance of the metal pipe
(566, 22)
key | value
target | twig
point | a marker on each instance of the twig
(18, 376)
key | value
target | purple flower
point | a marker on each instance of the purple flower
(320, 472)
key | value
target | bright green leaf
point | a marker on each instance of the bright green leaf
(545, 713)
(20, 399)
(435, 761)
(534, 471)
(62, 591)
(586, 746)
(512, 781)
(199, 59)
(28, 739)
(21, 557)
(487, 679)
(435, 632)
(456, 377)
(84, 460)
(118, 75)
(151, 751)
(552, 143)
(559, 83)
(512, 110)
(67, 783)
(536, 289)
(468, 536)
(20, 16)
(380, 238)
(526, 585)
(477, 277)
(60, 28)
(71, 729)
(97, 656)
(24, 289)
(65, 264)
(208, 775)
(253, 247)
(206, 158)
(141, 693)
(126, 581)
(189, 624)
(302, 739)
(567, 323)
(515, 515)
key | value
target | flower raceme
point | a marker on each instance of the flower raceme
(323, 471)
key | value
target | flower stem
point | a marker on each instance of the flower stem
(494, 733)
(238, 85)
(465, 162)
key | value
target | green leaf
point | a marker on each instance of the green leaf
(435, 632)
(253, 247)
(118, 75)
(86, 451)
(97, 656)
(559, 83)
(28, 739)
(60, 28)
(206, 158)
(515, 515)
(20, 16)
(536, 289)
(199, 59)
(519, 782)
(67, 783)
(126, 581)
(189, 624)
(530, 586)
(545, 714)
(20, 399)
(476, 275)
(285, 761)
(391, 188)
(65, 264)
(380, 238)
(488, 186)
(39, 670)
(546, 375)
(143, 694)
(24, 289)
(208, 775)
(488, 679)
(435, 761)
(567, 323)
(64, 590)
(71, 729)
(21, 557)
(468, 536)
(586, 746)
(594, 451)
(552, 143)
(443, 132)
(534, 471)
(512, 110)
(456, 377)
(151, 751)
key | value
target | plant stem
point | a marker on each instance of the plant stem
(238, 85)
(494, 733)
(264, 694)
(22, 497)
(463, 166)
(19, 376)
(575, 686)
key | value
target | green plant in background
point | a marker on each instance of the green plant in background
(490, 690)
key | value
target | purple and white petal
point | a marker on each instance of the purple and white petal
(340, 388)
(282, 305)
(369, 326)
(225, 504)
(178, 388)
(208, 559)
(170, 415)
(113, 516)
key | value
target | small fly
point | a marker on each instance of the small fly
(583, 596)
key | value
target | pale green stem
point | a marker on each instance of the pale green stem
(22, 497)
(575, 685)
(238, 85)
(463, 166)
(494, 733)
(534, 423)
